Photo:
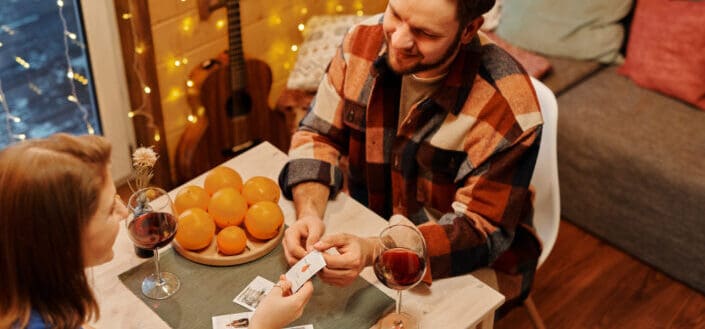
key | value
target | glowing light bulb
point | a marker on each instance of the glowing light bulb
(0, 44)
(294, 48)
(157, 137)
(187, 24)
(91, 131)
(184, 61)
(16, 119)
(131, 114)
(274, 20)
(339, 8)
(192, 118)
(72, 98)
(69, 74)
(177, 63)
(219, 24)
(301, 27)
(21, 136)
(60, 3)
(304, 11)
(147, 90)
(359, 13)
(189, 83)
(126, 16)
(174, 93)
(22, 62)
(71, 35)
(139, 49)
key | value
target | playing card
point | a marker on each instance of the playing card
(253, 293)
(230, 321)
(242, 320)
(304, 269)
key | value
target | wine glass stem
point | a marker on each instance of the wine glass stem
(156, 266)
(398, 301)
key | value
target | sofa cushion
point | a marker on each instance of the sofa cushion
(568, 28)
(665, 52)
(566, 73)
(631, 171)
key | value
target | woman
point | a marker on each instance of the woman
(59, 215)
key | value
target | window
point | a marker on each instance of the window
(48, 80)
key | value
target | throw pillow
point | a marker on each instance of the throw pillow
(322, 36)
(665, 49)
(579, 29)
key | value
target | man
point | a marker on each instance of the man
(437, 125)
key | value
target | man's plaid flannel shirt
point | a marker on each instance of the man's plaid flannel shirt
(467, 152)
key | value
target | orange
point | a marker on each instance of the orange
(260, 188)
(220, 177)
(231, 240)
(264, 219)
(191, 196)
(227, 207)
(195, 229)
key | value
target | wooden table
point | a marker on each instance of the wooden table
(458, 302)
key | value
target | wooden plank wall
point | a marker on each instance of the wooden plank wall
(269, 28)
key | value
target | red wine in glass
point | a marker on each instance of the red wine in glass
(400, 264)
(152, 230)
(399, 268)
(151, 225)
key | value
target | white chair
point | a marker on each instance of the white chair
(547, 207)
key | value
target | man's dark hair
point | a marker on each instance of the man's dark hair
(467, 10)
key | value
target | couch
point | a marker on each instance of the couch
(631, 160)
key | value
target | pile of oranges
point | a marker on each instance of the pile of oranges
(225, 205)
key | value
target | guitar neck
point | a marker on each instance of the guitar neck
(235, 52)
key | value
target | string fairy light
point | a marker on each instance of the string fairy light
(140, 111)
(10, 118)
(73, 97)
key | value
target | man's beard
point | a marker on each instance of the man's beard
(420, 67)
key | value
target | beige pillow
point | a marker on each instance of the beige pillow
(322, 35)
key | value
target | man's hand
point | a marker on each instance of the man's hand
(355, 254)
(300, 237)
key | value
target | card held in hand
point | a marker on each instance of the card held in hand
(253, 294)
(305, 269)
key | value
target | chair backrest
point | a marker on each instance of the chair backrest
(547, 206)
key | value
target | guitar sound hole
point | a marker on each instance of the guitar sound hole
(239, 104)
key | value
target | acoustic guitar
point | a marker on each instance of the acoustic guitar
(229, 99)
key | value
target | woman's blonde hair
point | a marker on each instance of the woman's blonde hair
(49, 190)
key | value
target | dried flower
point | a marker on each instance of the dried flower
(144, 157)
(143, 160)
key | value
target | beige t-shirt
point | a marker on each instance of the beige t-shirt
(415, 90)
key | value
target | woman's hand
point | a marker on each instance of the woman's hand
(280, 307)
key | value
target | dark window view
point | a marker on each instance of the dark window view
(45, 78)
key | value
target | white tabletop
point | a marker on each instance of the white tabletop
(458, 302)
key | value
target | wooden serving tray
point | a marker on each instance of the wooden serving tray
(210, 255)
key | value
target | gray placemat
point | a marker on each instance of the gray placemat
(207, 291)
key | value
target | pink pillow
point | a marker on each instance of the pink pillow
(666, 48)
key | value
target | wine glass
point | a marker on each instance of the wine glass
(151, 225)
(400, 265)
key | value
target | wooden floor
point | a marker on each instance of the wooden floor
(587, 283)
